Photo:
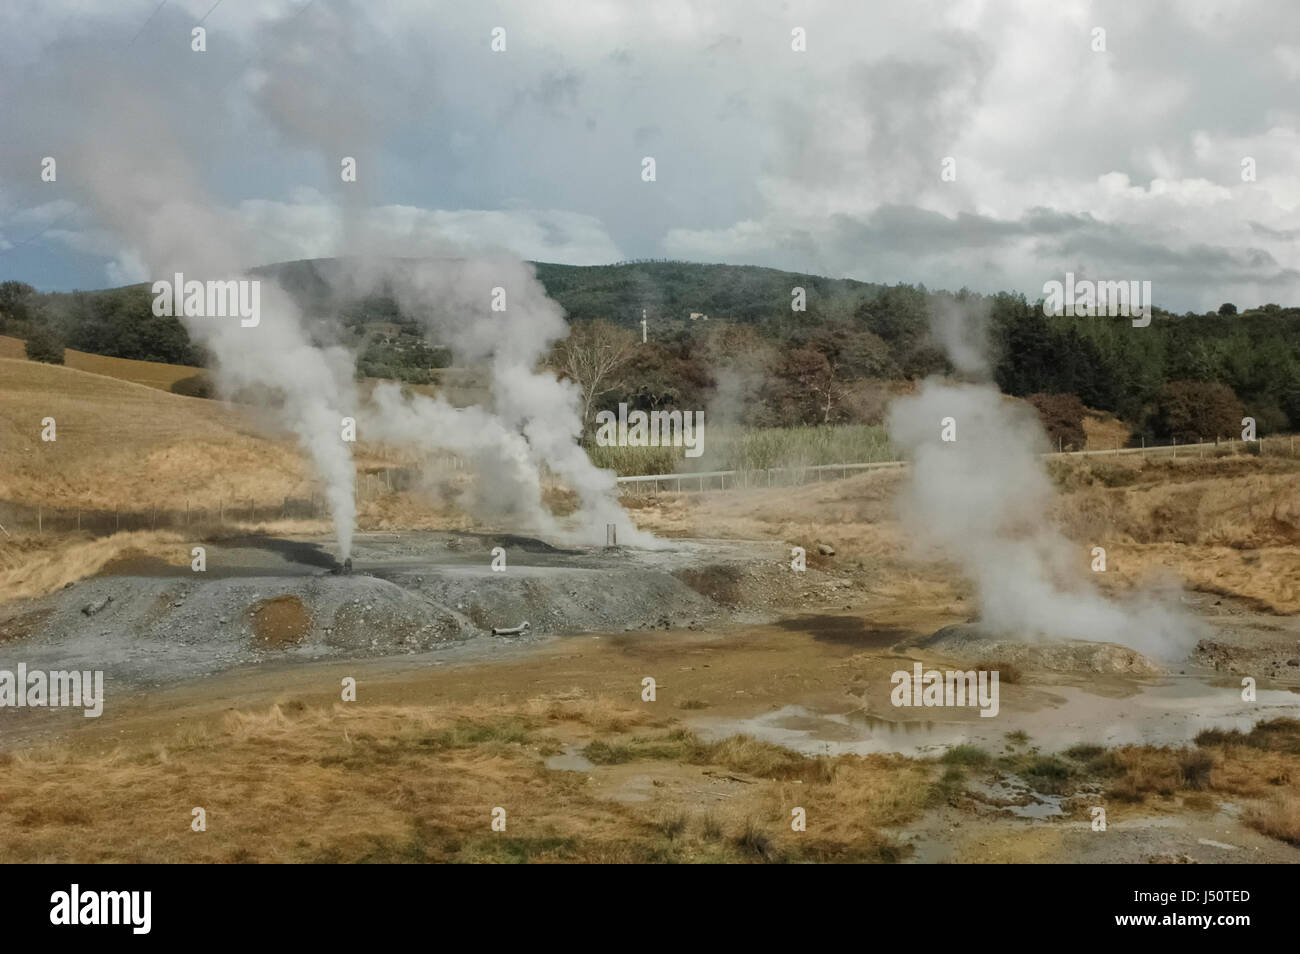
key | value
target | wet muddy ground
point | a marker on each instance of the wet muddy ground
(733, 645)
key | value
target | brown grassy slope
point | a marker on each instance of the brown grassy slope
(152, 374)
(1104, 431)
(1229, 525)
(1224, 525)
(123, 444)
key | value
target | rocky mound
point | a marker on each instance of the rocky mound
(970, 642)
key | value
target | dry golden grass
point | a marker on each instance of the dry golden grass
(1263, 763)
(1278, 818)
(123, 444)
(34, 566)
(153, 374)
(1229, 526)
(352, 783)
(1104, 432)
(1223, 525)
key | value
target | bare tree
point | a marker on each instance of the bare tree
(593, 357)
(813, 379)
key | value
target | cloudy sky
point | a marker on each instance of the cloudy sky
(1122, 163)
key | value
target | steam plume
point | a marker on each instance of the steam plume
(983, 501)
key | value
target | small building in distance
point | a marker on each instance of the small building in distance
(698, 316)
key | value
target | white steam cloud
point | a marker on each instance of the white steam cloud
(139, 183)
(535, 419)
(159, 208)
(984, 501)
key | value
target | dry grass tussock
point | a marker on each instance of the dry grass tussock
(350, 783)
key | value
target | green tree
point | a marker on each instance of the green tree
(44, 345)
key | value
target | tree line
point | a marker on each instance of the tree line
(757, 361)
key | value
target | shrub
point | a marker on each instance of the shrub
(1188, 411)
(966, 755)
(44, 345)
(196, 385)
(1062, 417)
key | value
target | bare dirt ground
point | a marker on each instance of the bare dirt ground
(772, 694)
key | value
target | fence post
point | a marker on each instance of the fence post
(40, 524)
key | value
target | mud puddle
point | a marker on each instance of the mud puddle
(1168, 712)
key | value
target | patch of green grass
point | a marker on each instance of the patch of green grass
(1095, 759)
(1273, 735)
(517, 850)
(1083, 752)
(1044, 773)
(950, 784)
(1018, 737)
(1049, 770)
(966, 755)
(754, 449)
(602, 753)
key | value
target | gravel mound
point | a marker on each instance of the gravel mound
(968, 641)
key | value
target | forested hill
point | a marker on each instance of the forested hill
(849, 332)
(675, 290)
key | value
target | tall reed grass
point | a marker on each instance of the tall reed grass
(753, 449)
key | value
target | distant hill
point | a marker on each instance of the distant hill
(848, 333)
(674, 290)
(666, 290)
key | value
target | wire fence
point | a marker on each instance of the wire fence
(233, 511)
(248, 512)
(803, 474)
